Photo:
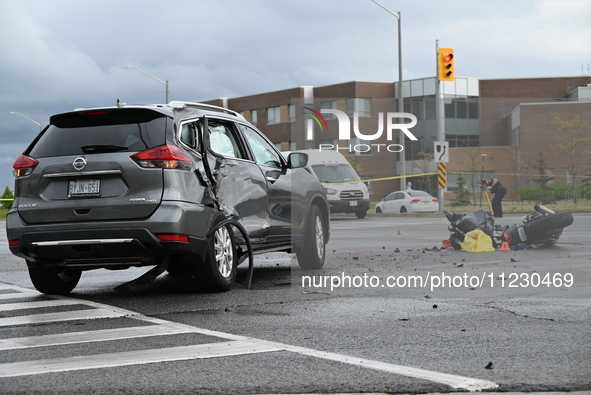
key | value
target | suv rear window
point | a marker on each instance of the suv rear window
(100, 131)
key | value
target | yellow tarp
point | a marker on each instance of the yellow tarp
(477, 241)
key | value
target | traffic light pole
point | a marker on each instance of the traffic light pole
(440, 112)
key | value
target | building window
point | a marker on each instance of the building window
(328, 105)
(350, 107)
(570, 179)
(450, 108)
(326, 144)
(430, 108)
(310, 144)
(292, 112)
(473, 108)
(254, 117)
(286, 146)
(273, 115)
(359, 147)
(550, 173)
(417, 108)
(515, 137)
(364, 107)
(461, 109)
(360, 105)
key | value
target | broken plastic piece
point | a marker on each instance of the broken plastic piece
(146, 278)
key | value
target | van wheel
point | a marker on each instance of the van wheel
(402, 210)
(378, 210)
(361, 214)
(53, 280)
(217, 272)
(312, 253)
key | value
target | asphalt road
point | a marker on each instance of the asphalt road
(388, 314)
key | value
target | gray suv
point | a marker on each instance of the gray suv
(136, 185)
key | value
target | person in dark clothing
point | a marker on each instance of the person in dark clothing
(498, 191)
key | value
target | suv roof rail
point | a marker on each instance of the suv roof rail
(183, 104)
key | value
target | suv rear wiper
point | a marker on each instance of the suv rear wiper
(94, 148)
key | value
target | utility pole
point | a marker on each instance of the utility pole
(440, 115)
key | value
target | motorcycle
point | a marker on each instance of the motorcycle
(543, 227)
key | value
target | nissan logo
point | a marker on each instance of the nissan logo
(79, 163)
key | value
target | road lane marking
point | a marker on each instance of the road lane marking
(17, 295)
(140, 357)
(37, 304)
(59, 317)
(61, 339)
(454, 381)
(233, 345)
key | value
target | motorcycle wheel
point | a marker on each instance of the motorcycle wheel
(541, 230)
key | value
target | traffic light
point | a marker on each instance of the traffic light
(446, 59)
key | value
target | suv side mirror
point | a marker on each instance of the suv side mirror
(296, 160)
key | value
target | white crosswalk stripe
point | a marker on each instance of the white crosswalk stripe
(198, 351)
(89, 336)
(55, 317)
(37, 305)
(227, 344)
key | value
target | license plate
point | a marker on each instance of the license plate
(84, 188)
(353, 203)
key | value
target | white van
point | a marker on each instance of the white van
(344, 189)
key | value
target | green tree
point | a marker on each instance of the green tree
(351, 159)
(7, 195)
(463, 195)
(543, 179)
(574, 135)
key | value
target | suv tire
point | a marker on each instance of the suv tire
(217, 272)
(53, 280)
(311, 255)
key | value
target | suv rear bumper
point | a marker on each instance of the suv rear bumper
(91, 245)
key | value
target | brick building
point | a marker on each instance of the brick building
(509, 121)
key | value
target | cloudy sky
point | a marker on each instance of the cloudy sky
(58, 55)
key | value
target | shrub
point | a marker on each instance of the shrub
(7, 195)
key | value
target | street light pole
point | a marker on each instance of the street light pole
(165, 83)
(400, 99)
(28, 119)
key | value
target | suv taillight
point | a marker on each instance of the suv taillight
(163, 157)
(24, 165)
